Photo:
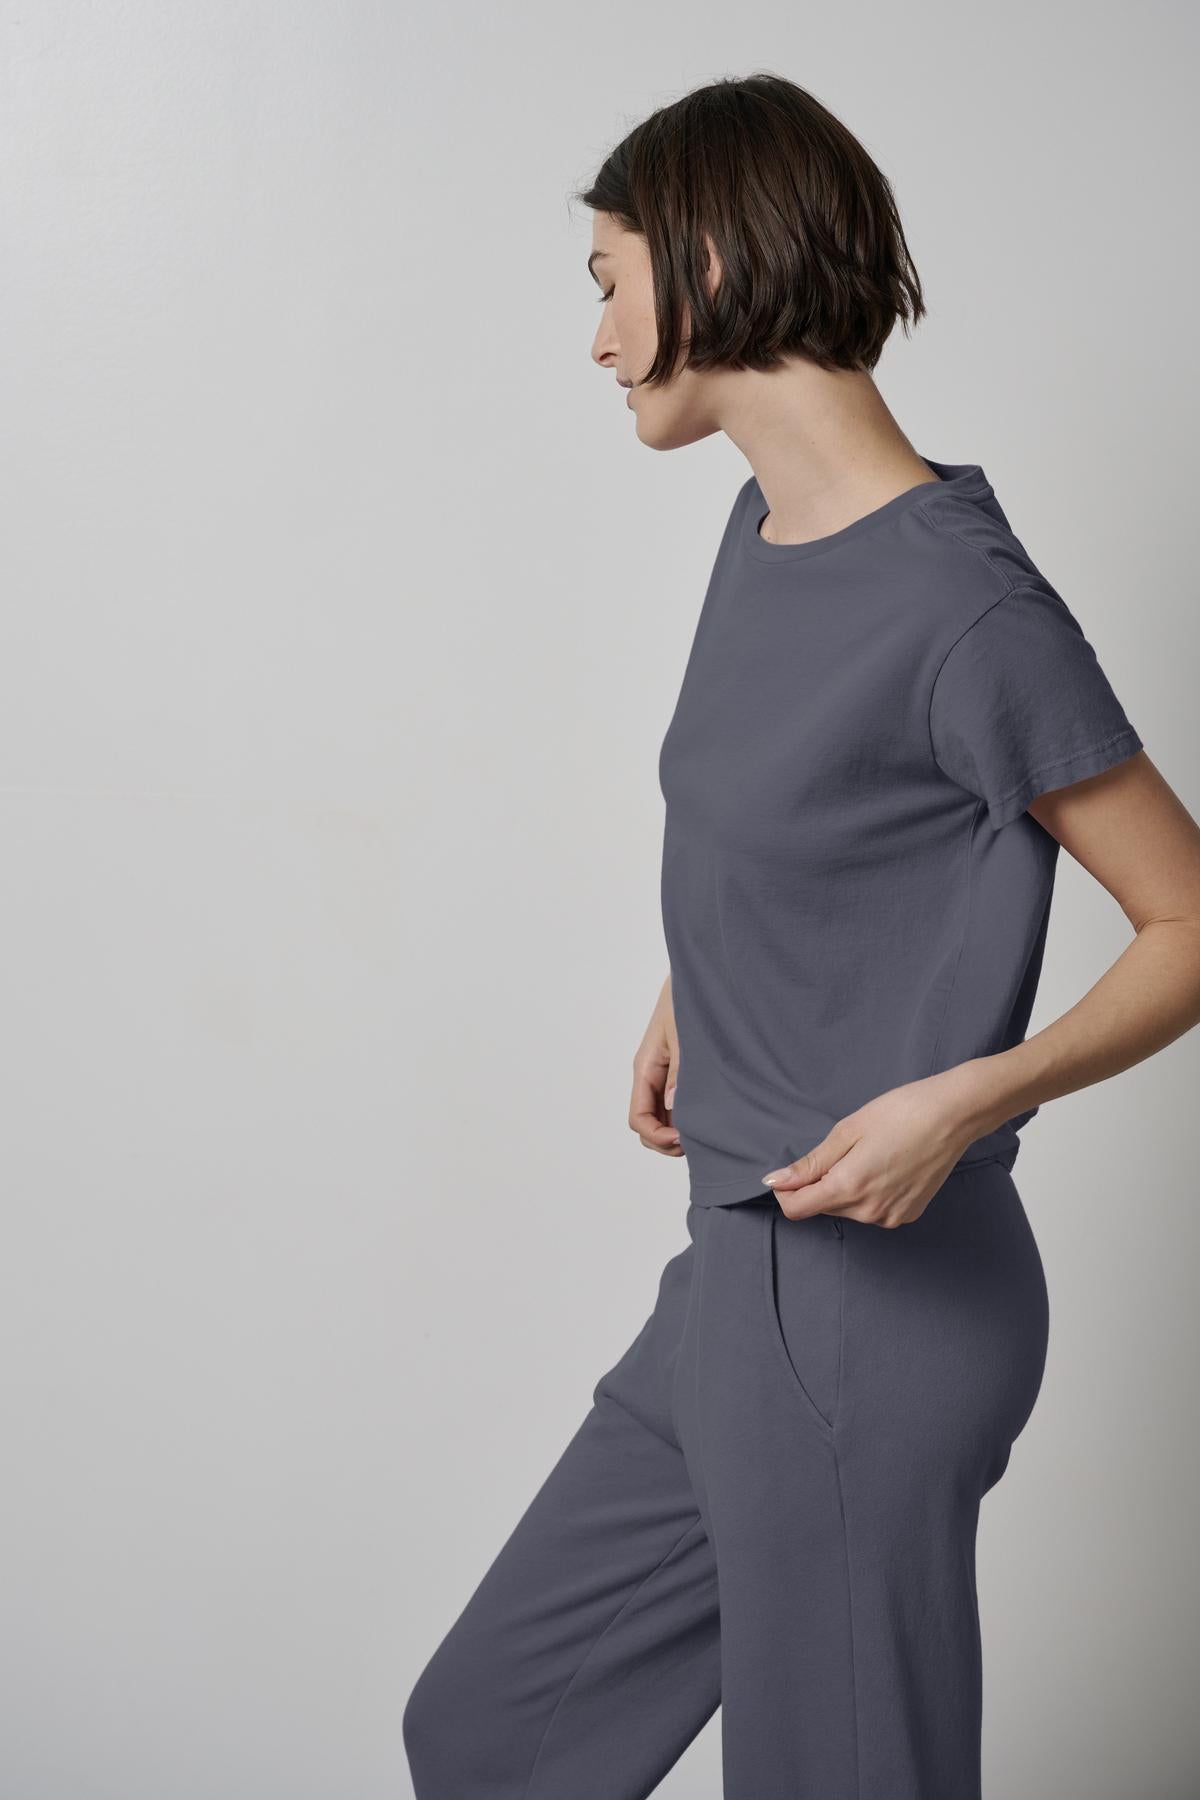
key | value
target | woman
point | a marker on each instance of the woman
(888, 724)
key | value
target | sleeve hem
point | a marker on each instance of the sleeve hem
(1002, 808)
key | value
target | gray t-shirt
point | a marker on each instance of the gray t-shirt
(853, 895)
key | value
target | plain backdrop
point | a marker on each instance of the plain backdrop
(343, 615)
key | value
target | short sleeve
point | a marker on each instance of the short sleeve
(1020, 705)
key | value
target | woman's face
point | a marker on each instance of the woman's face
(681, 411)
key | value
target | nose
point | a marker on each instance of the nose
(605, 348)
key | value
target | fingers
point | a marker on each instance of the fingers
(817, 1181)
(802, 1173)
(654, 1134)
(845, 1194)
(659, 1137)
(821, 1197)
(803, 1190)
(648, 1110)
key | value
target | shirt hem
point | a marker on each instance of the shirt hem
(738, 1190)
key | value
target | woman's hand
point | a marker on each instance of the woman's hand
(884, 1163)
(654, 1070)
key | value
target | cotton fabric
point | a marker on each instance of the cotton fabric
(771, 1504)
(853, 894)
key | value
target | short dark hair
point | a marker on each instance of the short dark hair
(813, 254)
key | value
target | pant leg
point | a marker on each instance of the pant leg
(856, 1393)
(588, 1657)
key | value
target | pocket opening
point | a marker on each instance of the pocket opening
(774, 1220)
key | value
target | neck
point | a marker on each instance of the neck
(823, 446)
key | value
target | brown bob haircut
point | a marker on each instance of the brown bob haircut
(813, 256)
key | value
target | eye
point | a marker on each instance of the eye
(604, 298)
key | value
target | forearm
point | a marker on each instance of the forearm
(1148, 998)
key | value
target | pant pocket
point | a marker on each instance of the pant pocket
(803, 1293)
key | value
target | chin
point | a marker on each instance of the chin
(669, 434)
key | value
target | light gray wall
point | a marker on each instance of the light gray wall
(342, 618)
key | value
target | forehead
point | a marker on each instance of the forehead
(606, 234)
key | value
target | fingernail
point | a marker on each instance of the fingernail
(669, 1096)
(775, 1175)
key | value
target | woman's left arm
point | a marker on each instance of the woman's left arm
(1128, 828)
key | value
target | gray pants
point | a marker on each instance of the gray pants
(771, 1506)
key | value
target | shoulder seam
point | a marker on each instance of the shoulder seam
(925, 509)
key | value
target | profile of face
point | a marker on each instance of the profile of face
(683, 409)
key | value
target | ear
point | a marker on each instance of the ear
(712, 264)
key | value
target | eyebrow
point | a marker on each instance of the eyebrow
(591, 259)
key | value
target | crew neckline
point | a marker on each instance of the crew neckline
(966, 479)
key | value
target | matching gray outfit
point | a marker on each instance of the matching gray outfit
(772, 1502)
